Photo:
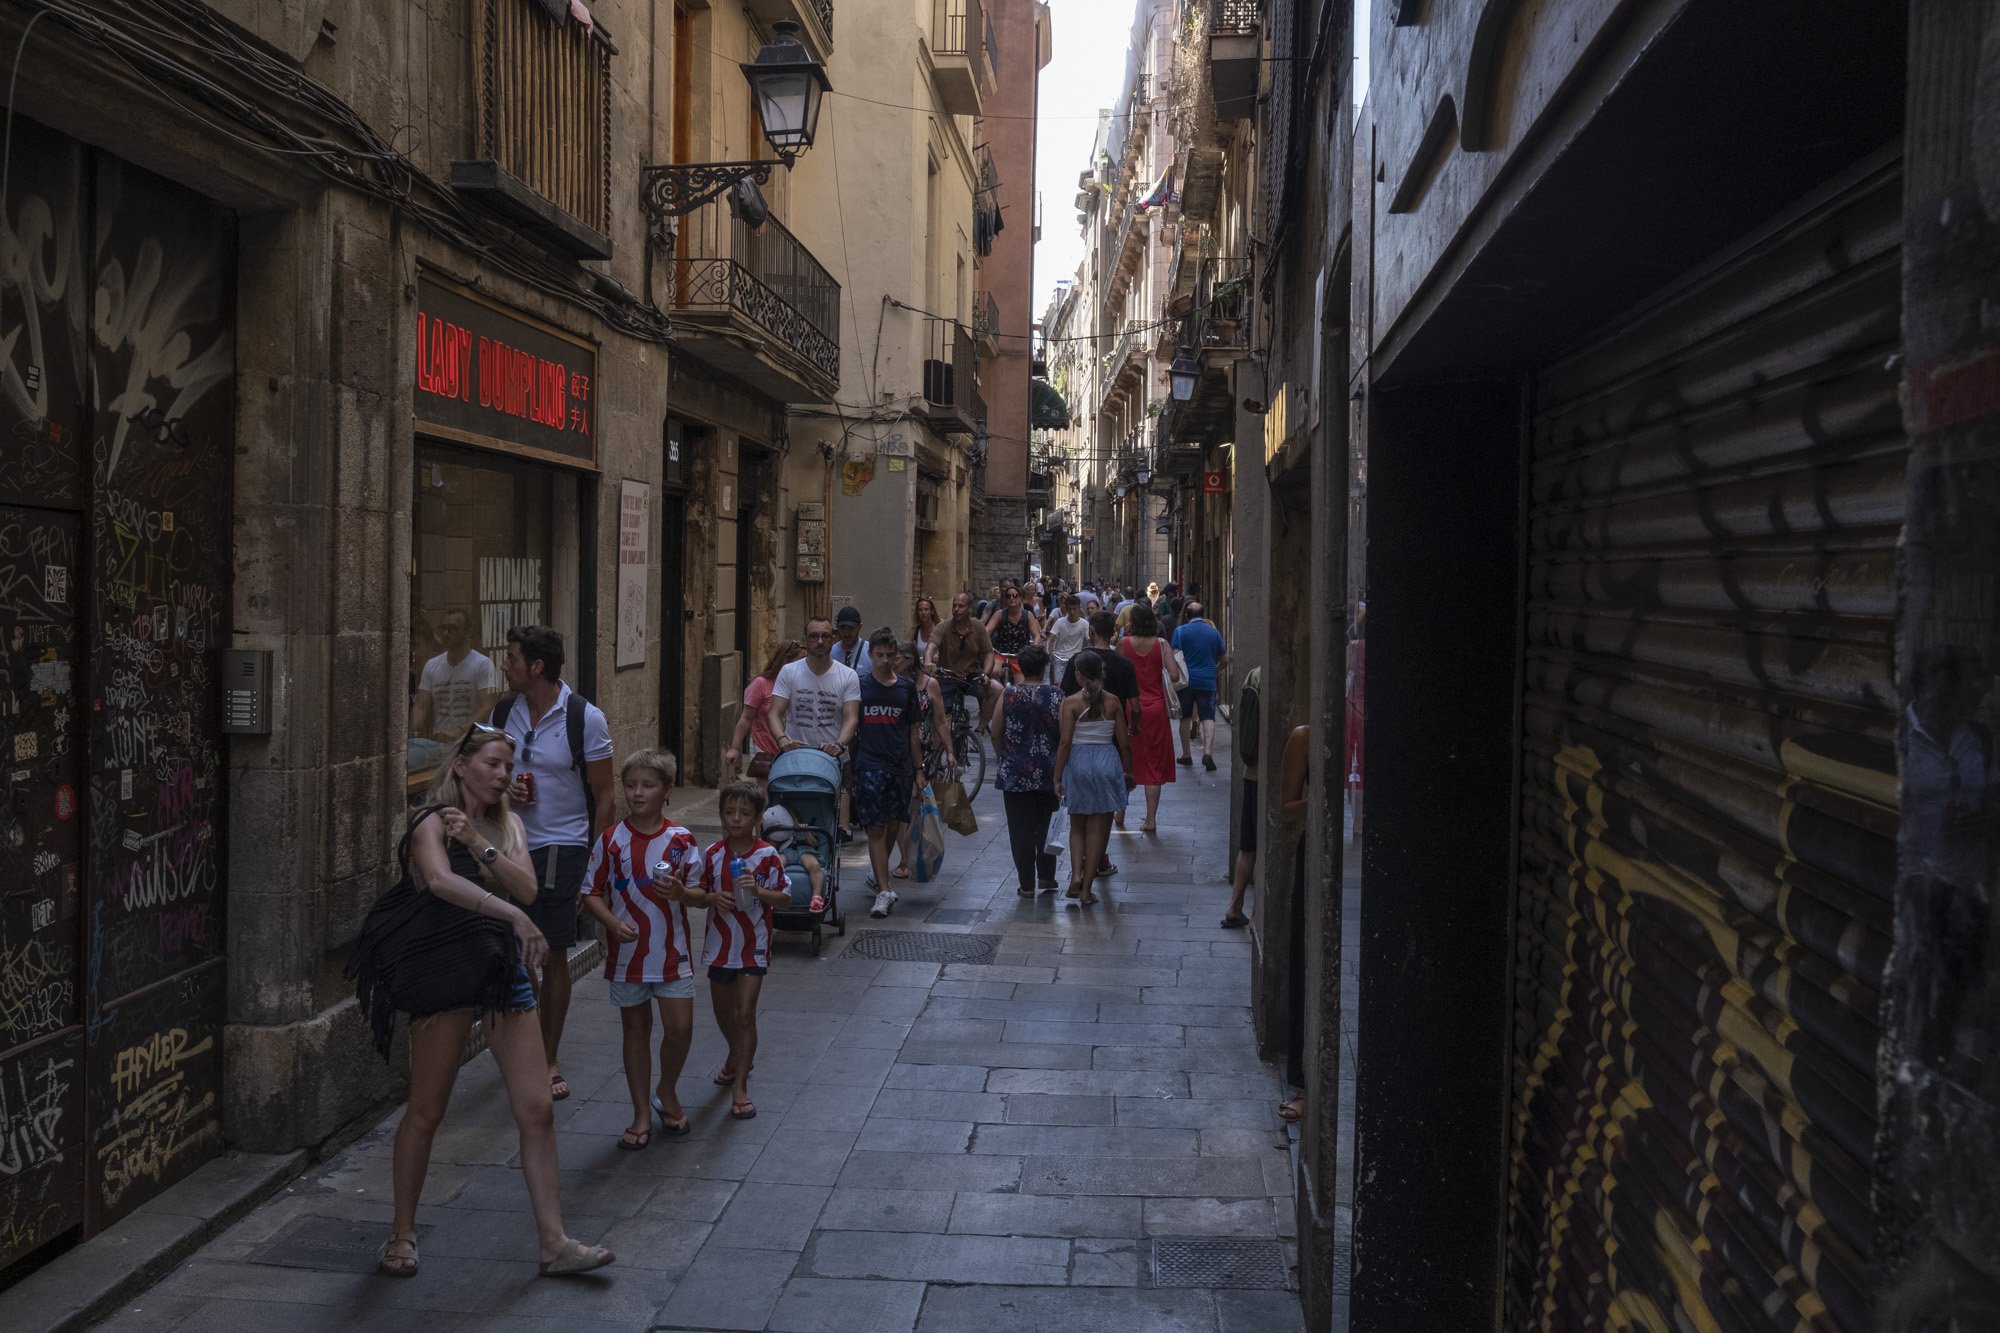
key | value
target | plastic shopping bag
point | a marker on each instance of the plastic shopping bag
(1056, 840)
(928, 839)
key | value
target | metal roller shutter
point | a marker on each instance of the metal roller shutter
(1708, 821)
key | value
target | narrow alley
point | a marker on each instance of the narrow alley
(1020, 1143)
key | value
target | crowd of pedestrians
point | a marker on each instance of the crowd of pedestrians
(1078, 689)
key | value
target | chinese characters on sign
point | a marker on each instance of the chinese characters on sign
(635, 507)
(487, 376)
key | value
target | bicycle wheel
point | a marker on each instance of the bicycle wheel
(971, 763)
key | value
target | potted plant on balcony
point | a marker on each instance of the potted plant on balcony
(1225, 307)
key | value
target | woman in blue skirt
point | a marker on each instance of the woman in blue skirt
(1092, 764)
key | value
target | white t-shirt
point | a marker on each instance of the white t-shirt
(560, 814)
(1066, 638)
(813, 702)
(454, 690)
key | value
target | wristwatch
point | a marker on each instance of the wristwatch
(490, 854)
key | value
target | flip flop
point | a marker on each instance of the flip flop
(743, 1110)
(574, 1258)
(900, 872)
(1235, 922)
(558, 1088)
(673, 1129)
(726, 1076)
(631, 1142)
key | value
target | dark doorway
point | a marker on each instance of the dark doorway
(749, 485)
(680, 447)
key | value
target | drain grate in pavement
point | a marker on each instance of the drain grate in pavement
(328, 1244)
(1220, 1263)
(956, 916)
(916, 946)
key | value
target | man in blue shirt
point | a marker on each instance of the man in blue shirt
(1201, 644)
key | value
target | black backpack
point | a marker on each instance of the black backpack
(572, 723)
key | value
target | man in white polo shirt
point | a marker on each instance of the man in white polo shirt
(564, 800)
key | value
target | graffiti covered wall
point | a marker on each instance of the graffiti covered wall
(117, 362)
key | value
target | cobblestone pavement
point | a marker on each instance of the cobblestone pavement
(991, 1146)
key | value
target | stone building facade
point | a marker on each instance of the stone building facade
(341, 339)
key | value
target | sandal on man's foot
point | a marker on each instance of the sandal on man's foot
(672, 1128)
(1234, 922)
(727, 1075)
(558, 1087)
(574, 1258)
(1293, 1111)
(636, 1139)
(742, 1110)
(399, 1254)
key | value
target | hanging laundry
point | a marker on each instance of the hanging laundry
(579, 12)
(1162, 194)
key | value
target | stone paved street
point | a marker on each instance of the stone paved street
(966, 1146)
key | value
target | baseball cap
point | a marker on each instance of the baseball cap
(848, 615)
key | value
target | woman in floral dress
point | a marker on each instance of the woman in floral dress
(1026, 728)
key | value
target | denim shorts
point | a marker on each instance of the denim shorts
(520, 995)
(631, 994)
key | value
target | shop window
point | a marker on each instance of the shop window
(483, 559)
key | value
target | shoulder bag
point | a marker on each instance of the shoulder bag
(420, 955)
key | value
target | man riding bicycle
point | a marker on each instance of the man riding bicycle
(964, 654)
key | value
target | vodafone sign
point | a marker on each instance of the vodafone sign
(1215, 483)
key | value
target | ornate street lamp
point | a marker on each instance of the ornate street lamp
(787, 84)
(1183, 373)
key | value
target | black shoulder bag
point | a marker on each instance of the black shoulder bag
(420, 955)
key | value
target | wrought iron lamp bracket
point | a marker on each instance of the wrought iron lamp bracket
(675, 189)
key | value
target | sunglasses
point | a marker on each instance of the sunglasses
(481, 734)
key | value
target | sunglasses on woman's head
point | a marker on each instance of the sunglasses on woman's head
(481, 734)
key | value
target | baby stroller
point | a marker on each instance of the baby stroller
(807, 783)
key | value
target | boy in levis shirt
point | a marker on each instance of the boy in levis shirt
(649, 954)
(747, 878)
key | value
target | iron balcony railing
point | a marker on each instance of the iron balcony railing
(1121, 351)
(1236, 16)
(764, 275)
(1222, 303)
(986, 318)
(951, 371)
(957, 27)
(824, 8)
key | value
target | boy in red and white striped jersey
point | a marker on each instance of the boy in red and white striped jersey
(643, 873)
(747, 879)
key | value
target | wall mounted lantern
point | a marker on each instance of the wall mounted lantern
(1183, 372)
(788, 85)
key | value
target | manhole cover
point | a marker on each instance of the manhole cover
(329, 1244)
(1220, 1263)
(916, 946)
(956, 916)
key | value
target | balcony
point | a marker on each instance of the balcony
(1122, 359)
(1218, 328)
(757, 305)
(986, 321)
(960, 42)
(1235, 40)
(951, 391)
(814, 17)
(543, 135)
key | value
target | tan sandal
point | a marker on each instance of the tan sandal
(575, 1257)
(408, 1241)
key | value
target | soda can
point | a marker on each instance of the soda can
(527, 789)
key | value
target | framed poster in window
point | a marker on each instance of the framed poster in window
(635, 526)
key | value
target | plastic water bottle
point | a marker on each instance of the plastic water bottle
(737, 865)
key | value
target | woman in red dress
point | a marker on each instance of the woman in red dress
(1153, 748)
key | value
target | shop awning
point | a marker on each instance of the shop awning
(1046, 408)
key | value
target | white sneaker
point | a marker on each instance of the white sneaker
(885, 902)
